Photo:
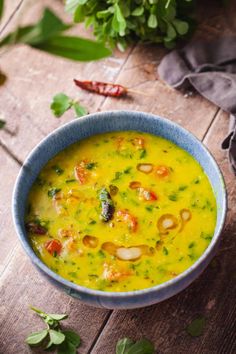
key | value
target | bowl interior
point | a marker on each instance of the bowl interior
(114, 121)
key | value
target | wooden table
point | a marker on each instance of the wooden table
(34, 77)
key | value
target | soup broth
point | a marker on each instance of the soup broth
(121, 211)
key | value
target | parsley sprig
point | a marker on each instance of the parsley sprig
(53, 337)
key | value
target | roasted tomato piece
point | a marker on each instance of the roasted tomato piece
(53, 247)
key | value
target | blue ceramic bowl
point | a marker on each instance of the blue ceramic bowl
(104, 122)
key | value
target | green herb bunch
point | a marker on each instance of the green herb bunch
(119, 22)
(53, 337)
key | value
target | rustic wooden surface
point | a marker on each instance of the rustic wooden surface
(34, 77)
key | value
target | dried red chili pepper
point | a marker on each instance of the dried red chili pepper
(102, 88)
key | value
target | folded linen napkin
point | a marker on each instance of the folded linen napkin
(209, 67)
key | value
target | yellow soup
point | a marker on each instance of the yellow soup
(121, 211)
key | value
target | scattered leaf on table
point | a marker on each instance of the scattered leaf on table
(79, 110)
(60, 104)
(127, 346)
(56, 337)
(55, 316)
(123, 345)
(74, 48)
(2, 123)
(73, 338)
(66, 348)
(37, 337)
(1, 8)
(196, 327)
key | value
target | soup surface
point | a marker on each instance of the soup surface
(121, 211)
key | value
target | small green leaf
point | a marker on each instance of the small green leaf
(58, 317)
(138, 11)
(152, 21)
(196, 327)
(60, 104)
(56, 337)
(66, 348)
(181, 27)
(1, 8)
(2, 123)
(79, 110)
(37, 337)
(143, 346)
(123, 345)
(73, 338)
(74, 48)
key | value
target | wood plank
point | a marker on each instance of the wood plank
(35, 77)
(21, 286)
(212, 295)
(7, 235)
(10, 10)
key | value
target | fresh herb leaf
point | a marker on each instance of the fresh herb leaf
(65, 341)
(1, 8)
(196, 327)
(79, 110)
(2, 123)
(58, 317)
(127, 346)
(66, 348)
(46, 35)
(37, 337)
(73, 338)
(56, 337)
(60, 104)
(74, 48)
(123, 345)
(119, 22)
(53, 191)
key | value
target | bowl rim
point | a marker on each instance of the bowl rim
(108, 294)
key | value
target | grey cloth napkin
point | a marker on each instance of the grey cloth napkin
(209, 67)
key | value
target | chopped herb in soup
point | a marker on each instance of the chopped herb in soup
(121, 211)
